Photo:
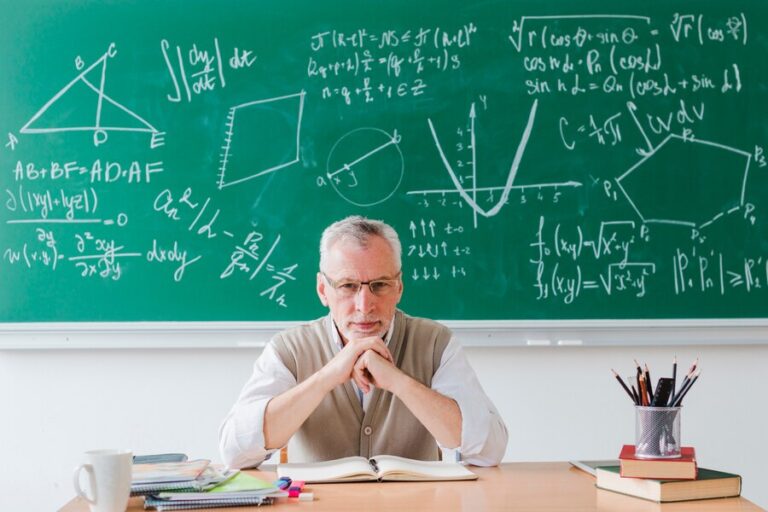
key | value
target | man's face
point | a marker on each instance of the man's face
(362, 314)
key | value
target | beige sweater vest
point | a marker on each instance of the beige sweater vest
(339, 427)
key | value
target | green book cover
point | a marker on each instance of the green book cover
(242, 482)
(703, 474)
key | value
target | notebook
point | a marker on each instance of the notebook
(240, 490)
(211, 476)
(161, 505)
(380, 467)
(162, 472)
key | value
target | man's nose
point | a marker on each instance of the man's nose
(364, 300)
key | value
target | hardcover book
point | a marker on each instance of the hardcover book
(708, 484)
(683, 468)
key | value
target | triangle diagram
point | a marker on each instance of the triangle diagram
(82, 106)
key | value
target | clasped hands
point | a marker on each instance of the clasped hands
(367, 361)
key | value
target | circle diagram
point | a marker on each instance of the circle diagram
(365, 166)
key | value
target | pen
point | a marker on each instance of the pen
(637, 378)
(623, 385)
(683, 392)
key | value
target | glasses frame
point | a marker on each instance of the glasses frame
(336, 284)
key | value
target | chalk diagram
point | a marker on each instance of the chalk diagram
(365, 166)
(262, 137)
(505, 189)
(64, 112)
(686, 181)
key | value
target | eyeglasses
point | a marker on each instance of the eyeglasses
(379, 287)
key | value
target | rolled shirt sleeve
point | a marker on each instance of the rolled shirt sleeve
(241, 434)
(483, 433)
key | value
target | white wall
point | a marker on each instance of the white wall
(559, 403)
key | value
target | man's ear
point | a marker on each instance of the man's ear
(321, 289)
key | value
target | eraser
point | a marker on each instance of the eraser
(306, 496)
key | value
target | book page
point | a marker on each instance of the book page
(392, 467)
(167, 471)
(591, 465)
(347, 469)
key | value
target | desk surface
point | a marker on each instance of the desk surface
(550, 486)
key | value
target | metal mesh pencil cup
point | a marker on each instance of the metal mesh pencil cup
(657, 432)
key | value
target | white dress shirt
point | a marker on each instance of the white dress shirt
(483, 433)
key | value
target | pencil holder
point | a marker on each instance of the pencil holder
(657, 432)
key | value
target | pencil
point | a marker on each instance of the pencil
(688, 375)
(622, 384)
(683, 392)
(674, 380)
(648, 383)
(634, 393)
(643, 391)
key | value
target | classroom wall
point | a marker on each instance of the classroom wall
(559, 404)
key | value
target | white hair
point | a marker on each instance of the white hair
(360, 230)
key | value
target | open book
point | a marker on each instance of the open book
(380, 467)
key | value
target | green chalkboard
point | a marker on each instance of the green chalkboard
(177, 161)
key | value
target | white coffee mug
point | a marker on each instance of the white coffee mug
(109, 475)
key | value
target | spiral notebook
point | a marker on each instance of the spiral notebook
(162, 505)
(211, 477)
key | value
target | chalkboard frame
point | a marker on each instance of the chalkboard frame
(480, 333)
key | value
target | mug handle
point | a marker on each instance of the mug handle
(78, 490)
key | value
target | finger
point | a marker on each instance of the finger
(361, 376)
(361, 381)
(380, 348)
(370, 341)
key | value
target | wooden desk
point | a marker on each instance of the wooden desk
(545, 486)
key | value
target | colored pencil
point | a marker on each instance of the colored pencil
(648, 383)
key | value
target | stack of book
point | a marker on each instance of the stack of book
(197, 484)
(195, 475)
(238, 491)
(666, 480)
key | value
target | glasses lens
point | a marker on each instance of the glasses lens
(348, 288)
(381, 287)
(351, 288)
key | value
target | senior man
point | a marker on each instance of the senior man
(366, 379)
